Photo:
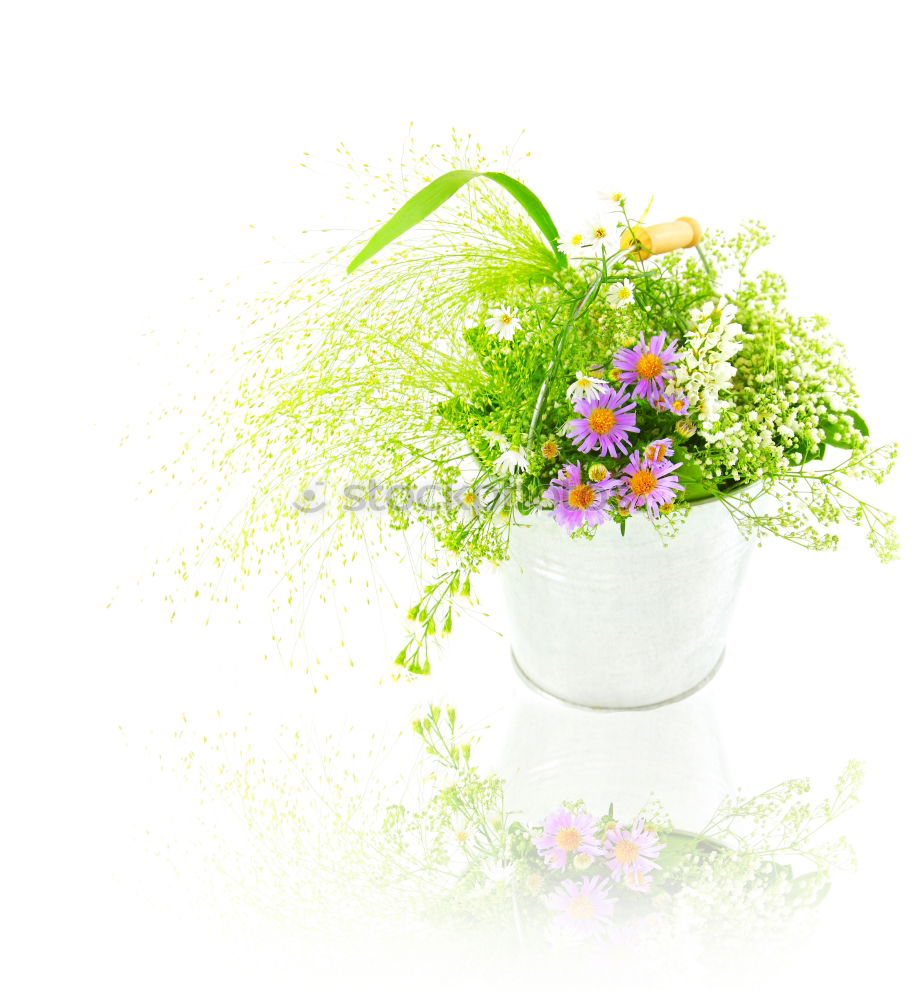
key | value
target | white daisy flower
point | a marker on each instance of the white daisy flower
(602, 234)
(467, 500)
(497, 439)
(621, 294)
(513, 460)
(612, 200)
(461, 829)
(572, 246)
(502, 321)
(586, 387)
(498, 872)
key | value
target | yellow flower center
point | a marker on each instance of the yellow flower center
(677, 405)
(642, 483)
(597, 472)
(623, 293)
(635, 879)
(461, 836)
(626, 851)
(655, 452)
(549, 449)
(568, 839)
(577, 240)
(581, 497)
(581, 908)
(469, 498)
(506, 318)
(599, 233)
(582, 861)
(601, 420)
(649, 365)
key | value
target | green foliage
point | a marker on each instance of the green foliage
(430, 198)
(391, 381)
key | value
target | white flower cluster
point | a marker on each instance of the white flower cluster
(704, 369)
(791, 381)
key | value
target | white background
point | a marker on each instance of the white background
(153, 153)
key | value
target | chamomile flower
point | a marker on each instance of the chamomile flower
(461, 829)
(602, 235)
(503, 322)
(612, 201)
(498, 872)
(572, 246)
(496, 438)
(586, 387)
(621, 294)
(511, 461)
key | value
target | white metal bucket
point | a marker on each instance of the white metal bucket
(623, 621)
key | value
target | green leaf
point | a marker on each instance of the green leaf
(834, 424)
(679, 844)
(859, 422)
(692, 478)
(429, 199)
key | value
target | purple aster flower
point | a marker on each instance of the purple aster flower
(584, 907)
(567, 475)
(631, 851)
(577, 502)
(659, 451)
(603, 423)
(653, 485)
(676, 403)
(648, 365)
(567, 833)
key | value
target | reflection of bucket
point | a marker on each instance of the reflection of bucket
(623, 621)
(555, 753)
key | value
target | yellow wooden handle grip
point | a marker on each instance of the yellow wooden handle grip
(678, 235)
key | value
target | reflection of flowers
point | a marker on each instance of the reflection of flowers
(583, 906)
(567, 833)
(638, 881)
(632, 851)
(457, 858)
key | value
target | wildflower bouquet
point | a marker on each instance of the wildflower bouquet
(471, 366)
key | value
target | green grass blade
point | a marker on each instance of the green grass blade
(534, 209)
(429, 199)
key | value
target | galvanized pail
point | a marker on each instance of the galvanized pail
(623, 621)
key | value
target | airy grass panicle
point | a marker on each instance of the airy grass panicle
(441, 372)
